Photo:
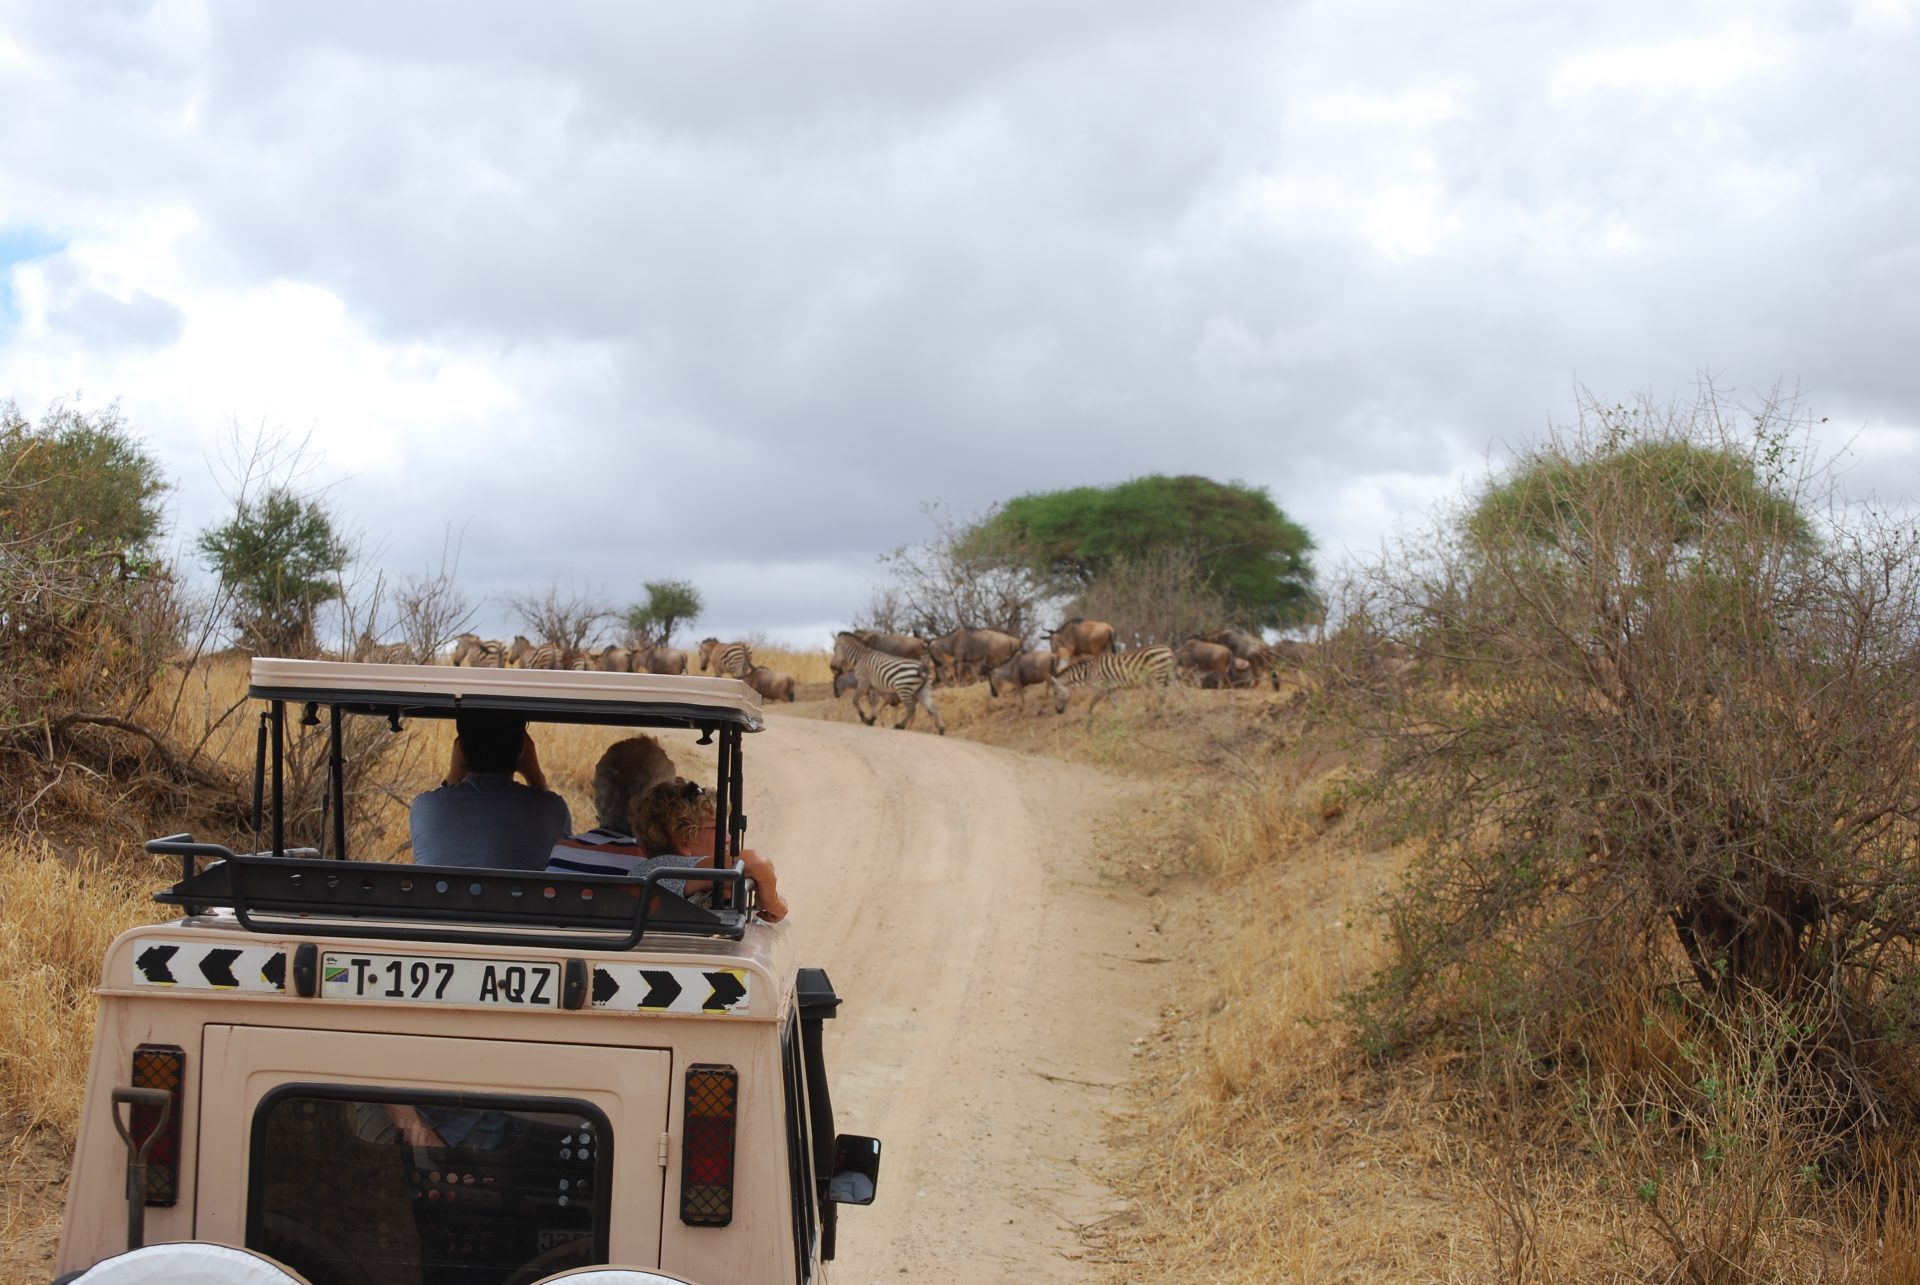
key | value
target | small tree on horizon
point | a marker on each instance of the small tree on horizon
(669, 604)
(278, 558)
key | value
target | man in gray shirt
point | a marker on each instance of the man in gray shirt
(481, 816)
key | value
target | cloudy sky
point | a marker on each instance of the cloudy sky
(729, 290)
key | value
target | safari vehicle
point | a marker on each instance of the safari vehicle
(620, 1078)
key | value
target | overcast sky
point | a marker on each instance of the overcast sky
(728, 291)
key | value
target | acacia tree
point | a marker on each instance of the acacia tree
(279, 558)
(669, 604)
(1248, 552)
(1662, 742)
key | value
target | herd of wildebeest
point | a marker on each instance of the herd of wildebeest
(900, 669)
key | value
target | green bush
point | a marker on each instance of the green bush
(1661, 742)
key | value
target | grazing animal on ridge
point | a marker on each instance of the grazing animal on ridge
(1111, 671)
(971, 652)
(734, 659)
(772, 684)
(875, 672)
(1253, 649)
(656, 658)
(1028, 669)
(611, 660)
(905, 646)
(1079, 638)
(1197, 656)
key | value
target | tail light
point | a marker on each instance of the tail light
(164, 1067)
(706, 1172)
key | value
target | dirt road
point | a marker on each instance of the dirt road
(950, 890)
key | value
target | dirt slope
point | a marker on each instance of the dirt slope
(991, 991)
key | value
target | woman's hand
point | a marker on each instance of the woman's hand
(529, 764)
(416, 1132)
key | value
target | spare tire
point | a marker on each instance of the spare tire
(188, 1263)
(613, 1276)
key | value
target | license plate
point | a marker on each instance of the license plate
(439, 979)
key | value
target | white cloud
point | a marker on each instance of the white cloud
(1706, 64)
(729, 291)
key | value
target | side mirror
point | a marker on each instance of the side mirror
(856, 1170)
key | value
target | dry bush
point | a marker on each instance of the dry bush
(960, 577)
(422, 612)
(1677, 727)
(1660, 753)
(563, 614)
(85, 634)
(1161, 596)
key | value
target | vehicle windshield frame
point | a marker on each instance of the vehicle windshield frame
(722, 710)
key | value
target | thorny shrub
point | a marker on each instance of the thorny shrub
(1660, 743)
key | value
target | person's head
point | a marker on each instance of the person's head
(672, 817)
(623, 772)
(490, 740)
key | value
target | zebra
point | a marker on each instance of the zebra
(526, 655)
(1110, 671)
(734, 659)
(480, 653)
(875, 672)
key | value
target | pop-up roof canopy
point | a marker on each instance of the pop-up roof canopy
(542, 695)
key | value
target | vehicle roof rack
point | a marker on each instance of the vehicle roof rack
(545, 695)
(270, 894)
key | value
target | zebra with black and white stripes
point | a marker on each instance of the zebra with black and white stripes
(875, 672)
(528, 655)
(478, 652)
(734, 659)
(1113, 670)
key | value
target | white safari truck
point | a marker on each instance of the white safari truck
(625, 1086)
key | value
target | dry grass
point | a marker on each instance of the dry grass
(57, 917)
(1257, 1145)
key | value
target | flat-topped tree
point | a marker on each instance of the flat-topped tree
(1243, 547)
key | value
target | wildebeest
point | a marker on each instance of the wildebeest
(971, 652)
(609, 660)
(734, 659)
(905, 646)
(1079, 638)
(1253, 649)
(1021, 672)
(772, 684)
(1198, 656)
(656, 658)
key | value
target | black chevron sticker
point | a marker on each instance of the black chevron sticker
(662, 989)
(274, 971)
(604, 987)
(217, 967)
(153, 962)
(728, 990)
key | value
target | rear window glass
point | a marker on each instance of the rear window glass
(366, 1186)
